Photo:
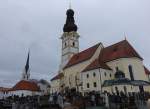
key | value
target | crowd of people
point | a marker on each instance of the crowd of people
(53, 101)
(16, 102)
(128, 101)
(76, 100)
(119, 100)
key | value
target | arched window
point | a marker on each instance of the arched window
(131, 72)
(73, 44)
(94, 84)
(87, 75)
(117, 69)
(105, 74)
(110, 75)
(94, 74)
(65, 44)
(88, 85)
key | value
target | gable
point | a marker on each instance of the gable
(119, 50)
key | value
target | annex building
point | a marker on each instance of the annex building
(113, 68)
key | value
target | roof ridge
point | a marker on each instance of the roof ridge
(89, 47)
(116, 43)
(122, 49)
(134, 50)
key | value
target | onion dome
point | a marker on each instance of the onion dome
(119, 74)
(70, 22)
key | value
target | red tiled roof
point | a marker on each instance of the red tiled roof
(96, 64)
(119, 50)
(82, 56)
(147, 72)
(58, 76)
(26, 85)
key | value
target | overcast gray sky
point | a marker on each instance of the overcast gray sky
(37, 24)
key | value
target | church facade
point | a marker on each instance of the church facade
(114, 68)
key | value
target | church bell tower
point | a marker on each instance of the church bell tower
(70, 38)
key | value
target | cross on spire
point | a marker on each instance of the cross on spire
(69, 4)
(125, 36)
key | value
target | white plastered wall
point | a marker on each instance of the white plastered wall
(123, 63)
(75, 70)
(55, 86)
(24, 92)
(101, 76)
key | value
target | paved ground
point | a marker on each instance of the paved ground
(140, 107)
(95, 108)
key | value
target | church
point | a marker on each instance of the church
(26, 86)
(114, 68)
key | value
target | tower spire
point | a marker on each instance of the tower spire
(26, 73)
(70, 38)
(27, 62)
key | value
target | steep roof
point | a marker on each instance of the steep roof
(121, 49)
(147, 72)
(96, 64)
(82, 56)
(58, 76)
(26, 85)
